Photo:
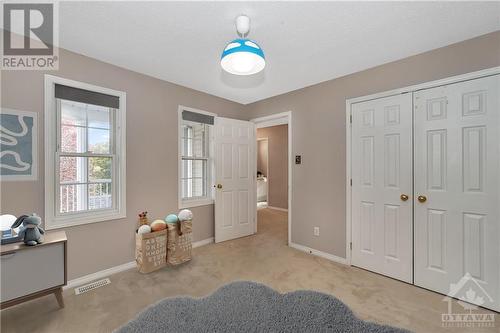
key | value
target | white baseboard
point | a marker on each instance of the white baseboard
(117, 269)
(203, 242)
(99, 275)
(278, 208)
(321, 254)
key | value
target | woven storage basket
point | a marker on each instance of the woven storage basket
(151, 251)
(179, 242)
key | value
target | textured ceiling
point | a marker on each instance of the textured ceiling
(305, 42)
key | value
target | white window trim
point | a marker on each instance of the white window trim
(209, 200)
(52, 220)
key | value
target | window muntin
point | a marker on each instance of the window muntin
(85, 157)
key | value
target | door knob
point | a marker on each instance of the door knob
(422, 198)
(404, 197)
(219, 186)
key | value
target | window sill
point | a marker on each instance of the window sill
(82, 219)
(195, 203)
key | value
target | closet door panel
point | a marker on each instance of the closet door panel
(457, 167)
(381, 173)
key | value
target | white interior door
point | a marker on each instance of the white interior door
(382, 235)
(457, 166)
(235, 198)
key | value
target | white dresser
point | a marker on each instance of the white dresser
(29, 272)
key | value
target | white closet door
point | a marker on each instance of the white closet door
(235, 198)
(381, 177)
(457, 168)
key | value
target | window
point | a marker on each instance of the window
(85, 147)
(195, 163)
(85, 156)
(194, 160)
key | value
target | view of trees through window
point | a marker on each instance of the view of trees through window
(85, 157)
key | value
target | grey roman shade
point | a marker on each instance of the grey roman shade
(198, 117)
(86, 96)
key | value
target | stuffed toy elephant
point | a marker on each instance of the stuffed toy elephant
(30, 231)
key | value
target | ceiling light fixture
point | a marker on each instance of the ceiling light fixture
(242, 56)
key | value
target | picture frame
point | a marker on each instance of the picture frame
(18, 145)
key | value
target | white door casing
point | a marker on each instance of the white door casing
(382, 235)
(235, 177)
(457, 167)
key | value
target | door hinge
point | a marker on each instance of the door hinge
(351, 181)
(350, 245)
(350, 118)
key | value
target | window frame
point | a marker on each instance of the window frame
(209, 198)
(53, 218)
(61, 154)
(205, 158)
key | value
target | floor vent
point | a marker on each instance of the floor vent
(91, 286)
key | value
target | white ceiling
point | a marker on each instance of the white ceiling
(305, 43)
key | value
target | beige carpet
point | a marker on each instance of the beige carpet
(263, 258)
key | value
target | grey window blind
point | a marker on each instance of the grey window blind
(198, 117)
(86, 96)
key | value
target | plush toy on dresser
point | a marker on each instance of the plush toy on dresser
(30, 231)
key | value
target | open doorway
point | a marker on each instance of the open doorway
(273, 179)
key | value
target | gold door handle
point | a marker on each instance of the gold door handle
(404, 197)
(422, 198)
(219, 186)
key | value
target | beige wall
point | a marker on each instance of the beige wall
(318, 124)
(278, 164)
(151, 156)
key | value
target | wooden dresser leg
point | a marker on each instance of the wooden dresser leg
(59, 297)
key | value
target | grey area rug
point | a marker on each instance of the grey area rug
(251, 307)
